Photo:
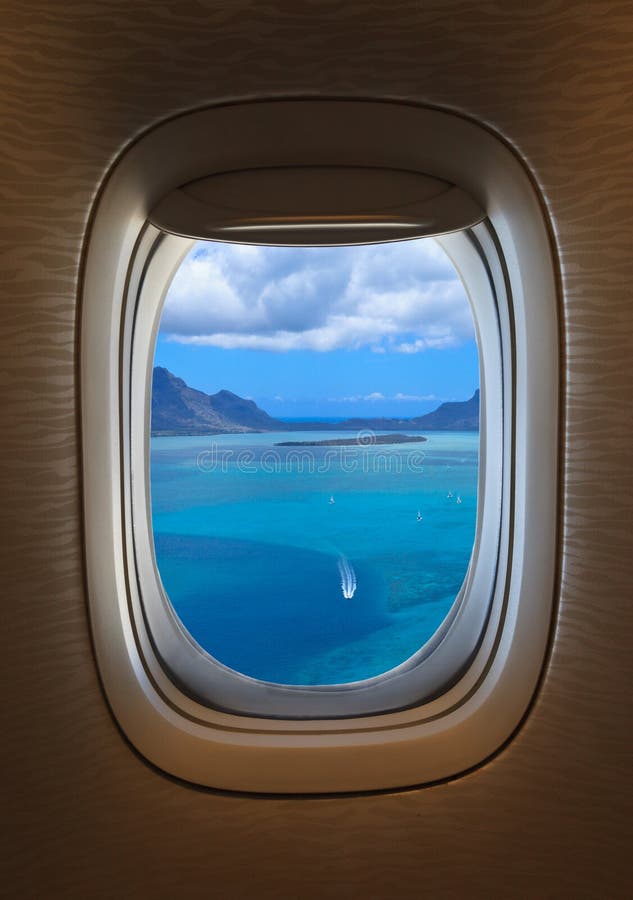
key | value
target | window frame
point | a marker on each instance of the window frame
(447, 652)
(420, 740)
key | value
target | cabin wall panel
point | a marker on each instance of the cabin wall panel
(86, 817)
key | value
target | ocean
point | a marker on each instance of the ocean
(313, 565)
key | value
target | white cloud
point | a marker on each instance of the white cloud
(358, 398)
(403, 298)
(437, 342)
(416, 398)
(376, 395)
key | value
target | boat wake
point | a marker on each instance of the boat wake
(348, 578)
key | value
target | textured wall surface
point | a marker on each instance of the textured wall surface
(85, 817)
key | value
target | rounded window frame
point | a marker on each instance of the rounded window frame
(436, 727)
(447, 653)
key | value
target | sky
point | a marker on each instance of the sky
(375, 330)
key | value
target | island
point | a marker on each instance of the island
(363, 441)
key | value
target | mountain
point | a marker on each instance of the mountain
(244, 412)
(455, 416)
(179, 409)
(461, 415)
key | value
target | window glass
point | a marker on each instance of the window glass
(314, 454)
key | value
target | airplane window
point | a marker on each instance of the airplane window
(314, 454)
(319, 372)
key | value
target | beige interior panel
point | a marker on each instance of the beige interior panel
(86, 817)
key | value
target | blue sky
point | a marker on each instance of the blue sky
(319, 331)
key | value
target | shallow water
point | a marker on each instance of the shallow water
(278, 582)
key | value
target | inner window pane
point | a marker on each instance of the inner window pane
(314, 454)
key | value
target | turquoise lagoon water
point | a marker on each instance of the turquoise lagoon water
(310, 565)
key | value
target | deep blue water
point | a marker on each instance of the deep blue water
(280, 583)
